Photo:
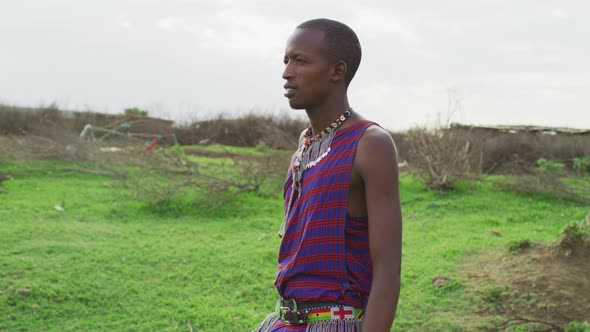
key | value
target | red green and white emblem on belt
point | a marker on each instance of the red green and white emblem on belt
(340, 313)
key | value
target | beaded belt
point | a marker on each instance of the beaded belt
(293, 313)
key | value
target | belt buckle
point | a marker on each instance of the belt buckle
(292, 316)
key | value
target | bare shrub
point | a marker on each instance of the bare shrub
(6, 154)
(49, 133)
(400, 143)
(12, 121)
(249, 130)
(550, 181)
(81, 157)
(156, 175)
(576, 235)
(171, 173)
(439, 156)
(516, 151)
(51, 121)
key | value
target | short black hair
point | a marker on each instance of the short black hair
(341, 43)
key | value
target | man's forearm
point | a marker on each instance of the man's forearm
(382, 303)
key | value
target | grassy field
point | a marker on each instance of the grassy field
(111, 263)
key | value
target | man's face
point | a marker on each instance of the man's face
(307, 70)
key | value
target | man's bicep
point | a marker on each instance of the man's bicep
(378, 168)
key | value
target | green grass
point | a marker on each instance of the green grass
(108, 263)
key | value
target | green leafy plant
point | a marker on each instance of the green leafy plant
(549, 165)
(516, 246)
(581, 164)
(576, 327)
(262, 147)
(135, 111)
(576, 233)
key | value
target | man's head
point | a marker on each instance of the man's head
(340, 43)
(322, 56)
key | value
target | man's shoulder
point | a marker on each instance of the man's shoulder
(376, 146)
(375, 134)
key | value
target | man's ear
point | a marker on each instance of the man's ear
(339, 71)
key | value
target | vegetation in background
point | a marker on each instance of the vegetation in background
(550, 166)
(576, 235)
(582, 165)
(135, 111)
(192, 174)
(517, 246)
(491, 152)
(550, 178)
(439, 157)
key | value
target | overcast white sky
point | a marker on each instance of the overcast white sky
(507, 61)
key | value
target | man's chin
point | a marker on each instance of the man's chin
(294, 105)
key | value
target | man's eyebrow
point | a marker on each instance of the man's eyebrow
(294, 55)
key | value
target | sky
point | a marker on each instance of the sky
(493, 62)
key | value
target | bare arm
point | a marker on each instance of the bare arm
(376, 161)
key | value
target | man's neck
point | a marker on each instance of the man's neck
(322, 117)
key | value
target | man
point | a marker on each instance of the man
(340, 256)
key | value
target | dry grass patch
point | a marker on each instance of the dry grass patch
(535, 287)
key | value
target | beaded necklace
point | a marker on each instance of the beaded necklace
(310, 153)
(309, 140)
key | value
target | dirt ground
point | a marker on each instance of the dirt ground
(540, 288)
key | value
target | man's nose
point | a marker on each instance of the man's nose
(288, 71)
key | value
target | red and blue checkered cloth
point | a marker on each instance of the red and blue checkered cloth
(324, 255)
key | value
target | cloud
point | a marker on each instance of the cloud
(176, 24)
(375, 25)
(231, 30)
(512, 48)
(125, 24)
(558, 13)
(572, 83)
(397, 106)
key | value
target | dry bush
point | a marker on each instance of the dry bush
(401, 145)
(249, 130)
(49, 138)
(82, 157)
(554, 182)
(439, 156)
(12, 121)
(6, 154)
(516, 153)
(153, 176)
(46, 135)
(576, 236)
(50, 120)
(170, 174)
(38, 121)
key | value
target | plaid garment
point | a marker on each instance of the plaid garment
(324, 255)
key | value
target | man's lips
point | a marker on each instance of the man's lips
(290, 90)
